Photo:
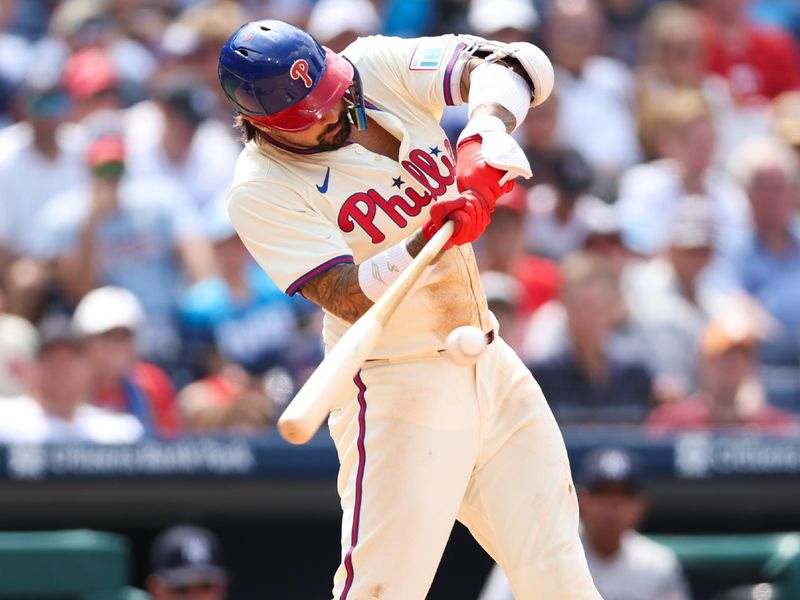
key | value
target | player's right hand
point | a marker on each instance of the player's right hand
(469, 213)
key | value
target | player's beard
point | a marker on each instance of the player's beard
(327, 140)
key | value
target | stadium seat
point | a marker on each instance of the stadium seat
(76, 564)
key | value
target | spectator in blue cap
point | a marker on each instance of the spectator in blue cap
(37, 160)
(186, 564)
(240, 313)
(624, 564)
(54, 408)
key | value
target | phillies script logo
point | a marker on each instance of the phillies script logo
(360, 208)
(299, 70)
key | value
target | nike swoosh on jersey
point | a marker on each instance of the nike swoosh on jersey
(324, 187)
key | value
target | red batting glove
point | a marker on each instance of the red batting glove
(474, 173)
(469, 213)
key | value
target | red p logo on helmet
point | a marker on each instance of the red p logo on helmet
(299, 70)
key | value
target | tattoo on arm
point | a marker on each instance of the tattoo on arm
(496, 110)
(337, 290)
(465, 75)
(415, 243)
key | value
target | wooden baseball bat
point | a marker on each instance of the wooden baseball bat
(334, 376)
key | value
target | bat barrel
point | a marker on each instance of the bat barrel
(332, 382)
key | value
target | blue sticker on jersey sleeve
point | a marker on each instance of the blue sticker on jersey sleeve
(429, 54)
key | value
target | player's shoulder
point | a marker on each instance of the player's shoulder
(260, 174)
(377, 58)
(370, 46)
(379, 55)
(251, 164)
(385, 53)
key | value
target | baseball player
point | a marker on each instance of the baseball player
(344, 177)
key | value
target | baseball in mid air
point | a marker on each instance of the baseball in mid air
(465, 345)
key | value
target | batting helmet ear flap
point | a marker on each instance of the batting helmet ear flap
(278, 75)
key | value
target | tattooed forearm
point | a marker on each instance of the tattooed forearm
(496, 110)
(337, 291)
(464, 83)
(415, 243)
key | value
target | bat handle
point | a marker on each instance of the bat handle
(387, 304)
(309, 408)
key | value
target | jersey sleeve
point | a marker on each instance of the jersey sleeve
(292, 242)
(427, 70)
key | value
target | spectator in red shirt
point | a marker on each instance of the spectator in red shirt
(230, 401)
(107, 319)
(758, 62)
(730, 393)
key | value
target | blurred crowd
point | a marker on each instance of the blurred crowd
(649, 273)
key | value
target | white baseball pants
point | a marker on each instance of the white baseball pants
(425, 442)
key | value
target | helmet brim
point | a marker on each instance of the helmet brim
(335, 80)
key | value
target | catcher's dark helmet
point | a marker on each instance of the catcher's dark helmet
(278, 75)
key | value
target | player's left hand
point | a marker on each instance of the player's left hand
(474, 173)
(469, 213)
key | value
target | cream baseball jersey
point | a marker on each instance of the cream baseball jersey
(301, 213)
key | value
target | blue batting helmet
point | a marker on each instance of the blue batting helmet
(278, 75)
